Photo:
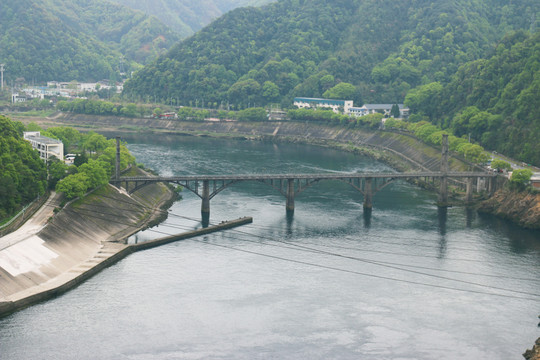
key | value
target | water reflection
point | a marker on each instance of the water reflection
(442, 216)
(469, 216)
(521, 240)
(289, 222)
(367, 217)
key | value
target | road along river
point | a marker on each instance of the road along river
(408, 281)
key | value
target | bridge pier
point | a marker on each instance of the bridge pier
(492, 184)
(291, 184)
(205, 196)
(290, 195)
(443, 192)
(368, 194)
(469, 192)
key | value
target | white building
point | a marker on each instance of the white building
(16, 98)
(384, 109)
(336, 105)
(46, 146)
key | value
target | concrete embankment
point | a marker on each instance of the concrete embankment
(85, 233)
(84, 238)
(401, 150)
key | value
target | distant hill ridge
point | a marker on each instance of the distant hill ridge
(187, 16)
(72, 40)
(302, 48)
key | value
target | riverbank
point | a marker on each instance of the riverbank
(534, 353)
(401, 151)
(522, 208)
(82, 239)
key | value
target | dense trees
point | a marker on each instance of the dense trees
(187, 16)
(66, 40)
(23, 175)
(96, 170)
(520, 178)
(304, 48)
(98, 107)
(494, 100)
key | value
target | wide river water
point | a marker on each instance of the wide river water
(408, 281)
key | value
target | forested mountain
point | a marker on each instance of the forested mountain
(494, 100)
(303, 48)
(187, 16)
(75, 40)
(23, 175)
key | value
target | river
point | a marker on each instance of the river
(406, 281)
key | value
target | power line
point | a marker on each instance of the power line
(342, 247)
(298, 247)
(366, 274)
(395, 267)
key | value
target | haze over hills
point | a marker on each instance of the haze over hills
(186, 16)
(71, 40)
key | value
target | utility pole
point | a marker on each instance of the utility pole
(2, 77)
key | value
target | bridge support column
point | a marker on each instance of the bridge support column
(492, 185)
(205, 207)
(368, 194)
(469, 193)
(290, 195)
(443, 192)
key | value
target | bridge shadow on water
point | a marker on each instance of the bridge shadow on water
(289, 222)
(367, 217)
(442, 216)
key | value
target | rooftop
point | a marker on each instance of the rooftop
(319, 100)
(382, 106)
(43, 139)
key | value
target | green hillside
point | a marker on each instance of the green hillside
(303, 48)
(494, 100)
(23, 175)
(66, 40)
(185, 16)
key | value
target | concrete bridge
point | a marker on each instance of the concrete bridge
(290, 185)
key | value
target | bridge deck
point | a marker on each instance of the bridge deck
(324, 176)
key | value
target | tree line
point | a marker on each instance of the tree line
(24, 176)
(494, 100)
(68, 40)
(303, 48)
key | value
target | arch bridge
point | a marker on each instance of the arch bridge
(289, 185)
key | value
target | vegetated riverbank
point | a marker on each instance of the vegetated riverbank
(79, 241)
(399, 150)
